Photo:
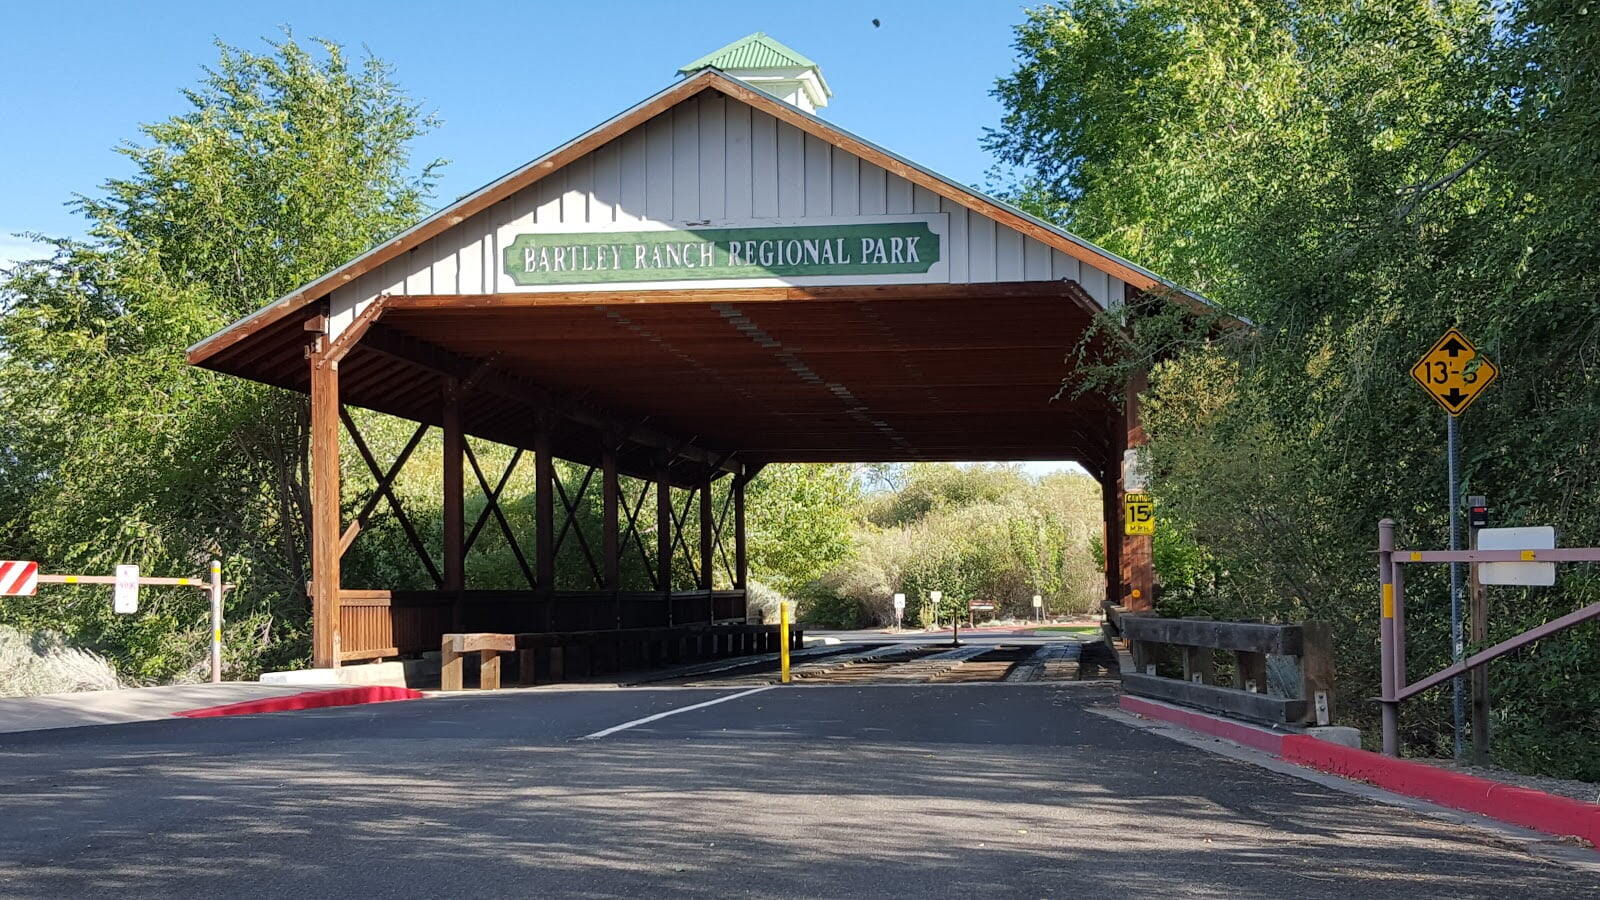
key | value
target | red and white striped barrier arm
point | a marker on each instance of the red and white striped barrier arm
(18, 578)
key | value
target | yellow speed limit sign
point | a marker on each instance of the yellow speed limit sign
(1138, 514)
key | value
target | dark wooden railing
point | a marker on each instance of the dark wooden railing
(1299, 655)
(375, 624)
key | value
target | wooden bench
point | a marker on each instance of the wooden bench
(488, 647)
(1306, 648)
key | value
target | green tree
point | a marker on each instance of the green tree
(1351, 178)
(286, 163)
(798, 520)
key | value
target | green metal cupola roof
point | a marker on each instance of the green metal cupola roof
(771, 65)
(753, 51)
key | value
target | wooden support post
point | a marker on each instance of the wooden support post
(1316, 670)
(1199, 661)
(708, 526)
(489, 670)
(527, 666)
(544, 551)
(1111, 545)
(453, 487)
(450, 667)
(325, 512)
(1252, 671)
(611, 553)
(1142, 654)
(741, 555)
(1137, 569)
(664, 538)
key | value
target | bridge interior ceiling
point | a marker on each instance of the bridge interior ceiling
(870, 378)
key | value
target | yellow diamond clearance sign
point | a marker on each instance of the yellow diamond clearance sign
(1454, 373)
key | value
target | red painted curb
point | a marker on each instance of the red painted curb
(1238, 732)
(308, 700)
(1518, 806)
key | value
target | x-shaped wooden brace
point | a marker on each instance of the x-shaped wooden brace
(632, 534)
(492, 508)
(385, 489)
(716, 537)
(679, 539)
(571, 524)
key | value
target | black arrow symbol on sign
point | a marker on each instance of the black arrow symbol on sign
(1455, 398)
(1453, 347)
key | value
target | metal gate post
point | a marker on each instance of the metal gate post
(1391, 712)
(216, 621)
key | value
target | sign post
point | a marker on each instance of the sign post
(1038, 607)
(1478, 631)
(1455, 374)
(899, 609)
(955, 622)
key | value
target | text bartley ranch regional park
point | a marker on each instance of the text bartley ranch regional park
(878, 248)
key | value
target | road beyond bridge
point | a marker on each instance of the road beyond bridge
(850, 790)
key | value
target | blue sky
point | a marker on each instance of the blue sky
(508, 81)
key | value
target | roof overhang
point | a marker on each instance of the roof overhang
(1139, 278)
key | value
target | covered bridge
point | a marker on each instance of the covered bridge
(709, 282)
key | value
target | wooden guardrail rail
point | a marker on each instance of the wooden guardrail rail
(1301, 690)
(555, 657)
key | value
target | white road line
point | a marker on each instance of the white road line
(672, 712)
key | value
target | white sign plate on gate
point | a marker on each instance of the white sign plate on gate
(126, 597)
(1527, 574)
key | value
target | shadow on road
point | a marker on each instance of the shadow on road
(814, 792)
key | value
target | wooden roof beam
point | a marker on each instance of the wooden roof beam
(489, 380)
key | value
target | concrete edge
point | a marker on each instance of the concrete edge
(1527, 807)
(1524, 807)
(307, 700)
(1254, 736)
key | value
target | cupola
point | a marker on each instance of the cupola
(766, 63)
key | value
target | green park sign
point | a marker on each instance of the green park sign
(877, 248)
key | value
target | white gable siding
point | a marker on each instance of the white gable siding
(712, 158)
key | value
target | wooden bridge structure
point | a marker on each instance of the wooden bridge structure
(708, 283)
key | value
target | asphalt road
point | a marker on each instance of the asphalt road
(881, 791)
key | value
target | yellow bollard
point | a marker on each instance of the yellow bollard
(783, 639)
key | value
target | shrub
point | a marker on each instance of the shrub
(822, 607)
(42, 662)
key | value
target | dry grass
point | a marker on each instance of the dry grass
(42, 662)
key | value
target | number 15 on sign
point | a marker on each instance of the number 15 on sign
(1139, 514)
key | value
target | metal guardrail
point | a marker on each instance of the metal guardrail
(1392, 622)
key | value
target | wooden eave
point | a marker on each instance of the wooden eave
(709, 79)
